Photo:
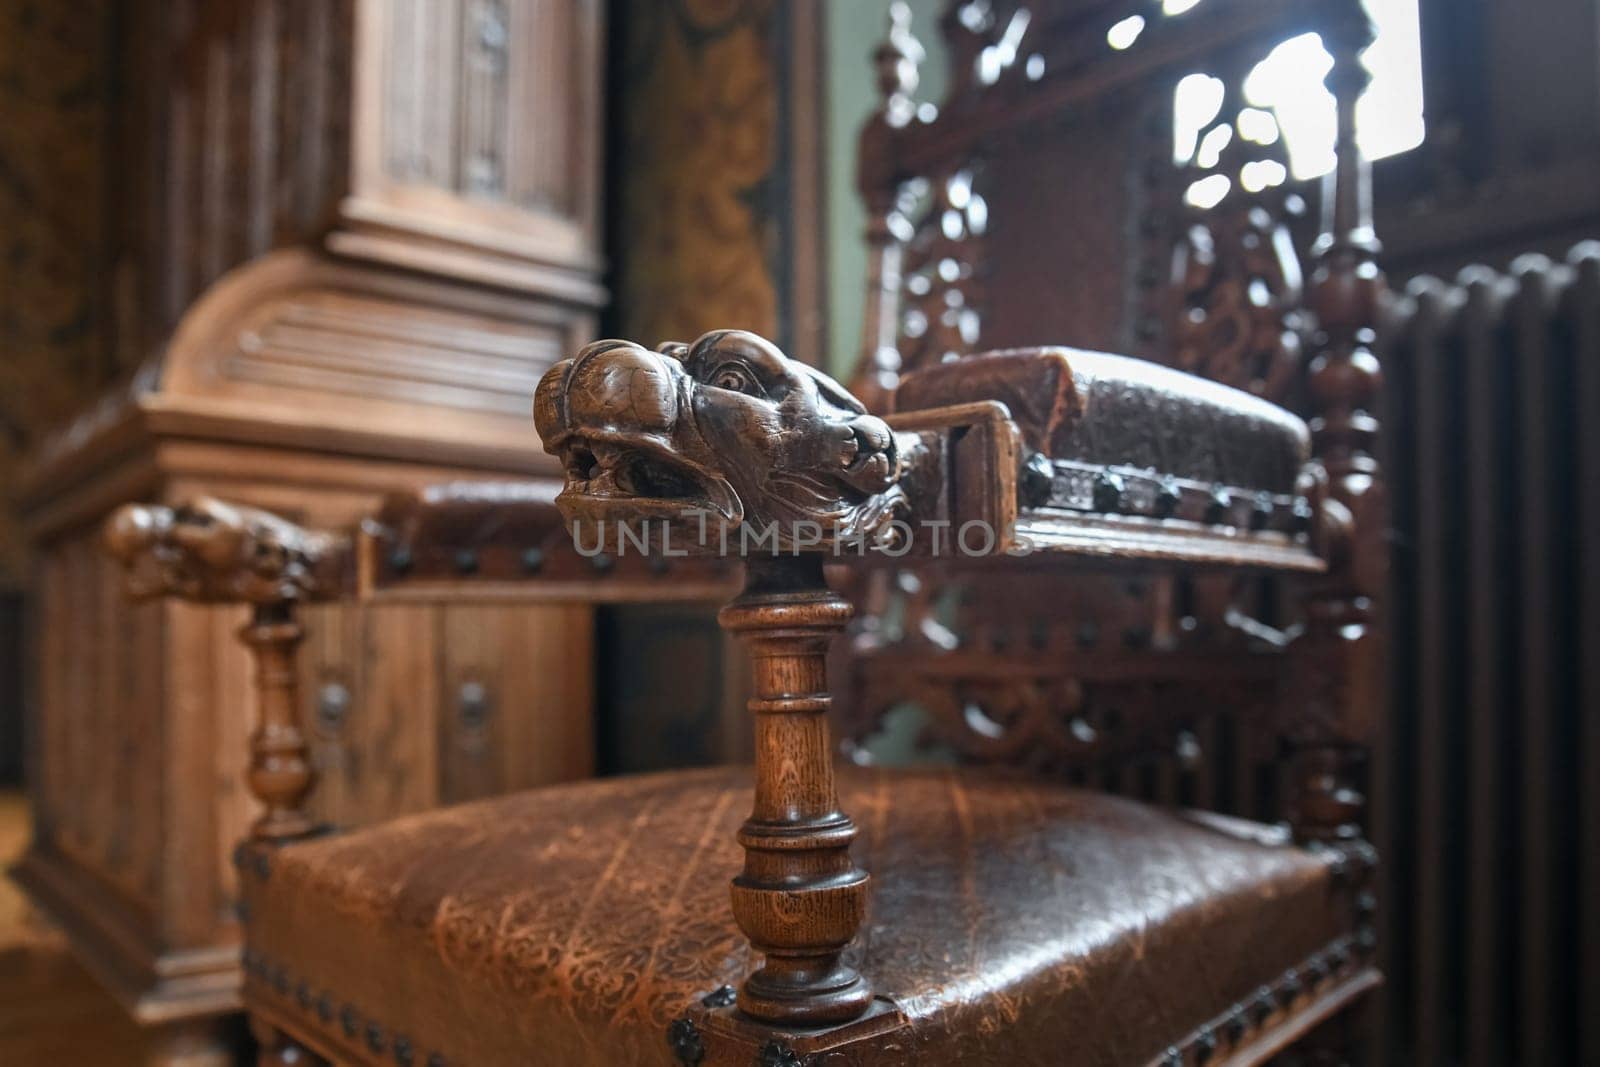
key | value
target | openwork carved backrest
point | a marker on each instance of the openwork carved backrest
(1068, 190)
(1046, 198)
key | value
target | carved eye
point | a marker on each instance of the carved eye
(736, 377)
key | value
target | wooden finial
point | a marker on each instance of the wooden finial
(732, 430)
(1346, 288)
(209, 552)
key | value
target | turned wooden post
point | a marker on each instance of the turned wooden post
(208, 552)
(1341, 678)
(280, 774)
(800, 898)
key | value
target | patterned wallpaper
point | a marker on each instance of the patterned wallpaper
(697, 232)
(53, 94)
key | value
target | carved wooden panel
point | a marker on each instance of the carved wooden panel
(496, 135)
(477, 125)
(495, 660)
(1067, 123)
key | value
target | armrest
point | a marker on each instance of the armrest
(508, 540)
(1113, 458)
(211, 552)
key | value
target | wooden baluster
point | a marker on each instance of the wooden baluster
(1341, 681)
(800, 899)
(280, 774)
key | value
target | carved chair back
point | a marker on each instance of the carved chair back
(1044, 196)
(1042, 201)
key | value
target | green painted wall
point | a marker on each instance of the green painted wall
(852, 31)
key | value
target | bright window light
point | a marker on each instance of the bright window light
(1124, 33)
(1289, 82)
(1199, 98)
(1262, 174)
(1257, 126)
(1208, 191)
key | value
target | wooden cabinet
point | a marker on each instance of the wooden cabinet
(350, 238)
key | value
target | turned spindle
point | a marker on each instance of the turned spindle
(800, 899)
(1346, 291)
(280, 775)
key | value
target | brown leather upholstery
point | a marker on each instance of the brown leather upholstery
(1010, 920)
(1097, 408)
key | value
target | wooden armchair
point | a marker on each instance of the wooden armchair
(878, 916)
(1009, 921)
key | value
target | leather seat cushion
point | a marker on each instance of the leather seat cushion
(1102, 409)
(1009, 920)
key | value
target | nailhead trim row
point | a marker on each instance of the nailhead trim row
(1128, 491)
(322, 1011)
(1341, 958)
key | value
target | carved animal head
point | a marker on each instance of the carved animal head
(213, 552)
(728, 427)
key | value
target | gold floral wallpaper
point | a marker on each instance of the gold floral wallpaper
(696, 232)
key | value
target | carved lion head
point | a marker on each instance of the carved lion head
(728, 427)
(210, 551)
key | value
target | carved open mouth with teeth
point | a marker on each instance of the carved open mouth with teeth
(727, 427)
(640, 478)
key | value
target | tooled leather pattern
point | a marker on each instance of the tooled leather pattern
(1007, 918)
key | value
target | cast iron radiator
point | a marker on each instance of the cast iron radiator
(1488, 805)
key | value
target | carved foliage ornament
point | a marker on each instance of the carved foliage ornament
(1236, 276)
(728, 428)
(213, 552)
